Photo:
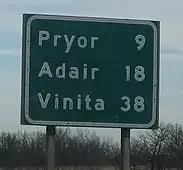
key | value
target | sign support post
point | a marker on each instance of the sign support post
(125, 149)
(50, 135)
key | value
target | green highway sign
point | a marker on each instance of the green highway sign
(87, 71)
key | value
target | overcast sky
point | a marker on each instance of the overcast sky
(169, 13)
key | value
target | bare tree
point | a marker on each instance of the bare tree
(138, 155)
(174, 145)
(152, 143)
(115, 156)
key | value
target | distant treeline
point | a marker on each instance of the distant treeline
(160, 148)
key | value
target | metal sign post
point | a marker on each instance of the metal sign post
(125, 149)
(50, 135)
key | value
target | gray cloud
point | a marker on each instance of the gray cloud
(10, 52)
(172, 51)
